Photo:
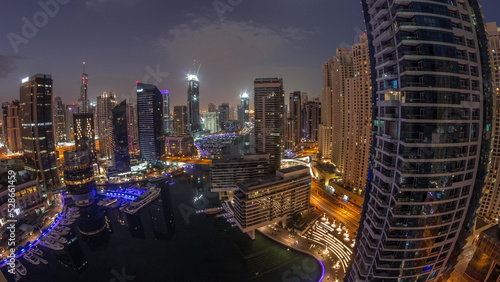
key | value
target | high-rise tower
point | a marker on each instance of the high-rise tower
(244, 108)
(37, 130)
(432, 88)
(269, 105)
(193, 104)
(490, 204)
(105, 104)
(13, 127)
(121, 157)
(60, 120)
(167, 119)
(180, 120)
(150, 122)
(83, 102)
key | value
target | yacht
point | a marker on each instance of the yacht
(51, 244)
(61, 228)
(60, 232)
(20, 268)
(73, 215)
(36, 251)
(18, 276)
(30, 258)
(66, 222)
(42, 260)
(57, 238)
(73, 209)
(142, 201)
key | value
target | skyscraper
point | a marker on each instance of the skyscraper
(84, 134)
(326, 127)
(180, 120)
(13, 127)
(133, 132)
(490, 204)
(351, 113)
(167, 119)
(68, 117)
(37, 130)
(193, 104)
(269, 103)
(150, 122)
(432, 123)
(223, 115)
(244, 108)
(59, 120)
(121, 158)
(83, 102)
(312, 120)
(296, 119)
(105, 104)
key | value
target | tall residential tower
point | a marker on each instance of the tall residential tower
(432, 86)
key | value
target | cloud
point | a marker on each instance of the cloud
(7, 65)
(227, 44)
(97, 3)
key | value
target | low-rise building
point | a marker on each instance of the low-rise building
(273, 199)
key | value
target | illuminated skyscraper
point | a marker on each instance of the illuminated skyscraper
(13, 127)
(312, 120)
(269, 103)
(244, 108)
(180, 120)
(167, 119)
(60, 120)
(37, 130)
(433, 114)
(84, 134)
(83, 102)
(105, 104)
(193, 104)
(150, 122)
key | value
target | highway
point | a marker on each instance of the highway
(348, 214)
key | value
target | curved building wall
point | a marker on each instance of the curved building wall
(433, 126)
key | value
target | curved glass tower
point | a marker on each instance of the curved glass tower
(432, 120)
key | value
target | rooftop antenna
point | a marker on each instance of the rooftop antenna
(83, 67)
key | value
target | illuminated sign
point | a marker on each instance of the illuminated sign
(24, 80)
(140, 90)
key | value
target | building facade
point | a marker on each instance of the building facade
(79, 177)
(270, 200)
(37, 130)
(225, 173)
(193, 104)
(180, 120)
(60, 120)
(121, 157)
(84, 134)
(432, 89)
(244, 108)
(104, 123)
(312, 120)
(269, 107)
(13, 127)
(490, 204)
(167, 119)
(150, 122)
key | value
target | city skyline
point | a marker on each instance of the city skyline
(110, 69)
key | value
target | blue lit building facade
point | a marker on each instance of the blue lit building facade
(432, 123)
(150, 122)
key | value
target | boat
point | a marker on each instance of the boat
(66, 222)
(42, 260)
(51, 244)
(73, 215)
(30, 258)
(117, 203)
(57, 238)
(18, 276)
(213, 210)
(73, 209)
(20, 268)
(36, 251)
(61, 228)
(142, 201)
(60, 232)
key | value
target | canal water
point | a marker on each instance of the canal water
(168, 241)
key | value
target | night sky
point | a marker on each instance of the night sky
(156, 42)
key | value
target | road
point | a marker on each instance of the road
(187, 160)
(347, 213)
